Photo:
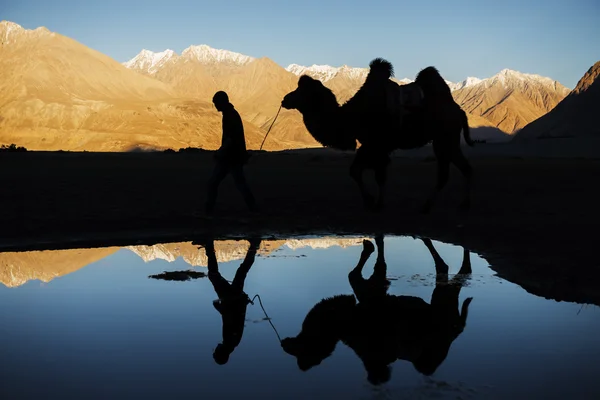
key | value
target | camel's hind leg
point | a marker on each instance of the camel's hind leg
(459, 159)
(381, 172)
(446, 148)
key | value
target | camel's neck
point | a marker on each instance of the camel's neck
(328, 128)
(320, 123)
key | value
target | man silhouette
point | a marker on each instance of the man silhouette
(231, 156)
(232, 302)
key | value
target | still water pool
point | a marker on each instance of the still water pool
(152, 322)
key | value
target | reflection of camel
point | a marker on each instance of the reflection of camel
(382, 328)
(232, 300)
(384, 116)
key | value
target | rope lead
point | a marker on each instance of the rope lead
(266, 316)
(272, 123)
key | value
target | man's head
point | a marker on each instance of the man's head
(221, 354)
(220, 100)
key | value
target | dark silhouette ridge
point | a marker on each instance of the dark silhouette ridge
(231, 156)
(383, 328)
(384, 116)
(179, 275)
(233, 301)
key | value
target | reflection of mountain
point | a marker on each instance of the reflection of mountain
(323, 243)
(20, 267)
(227, 250)
(231, 250)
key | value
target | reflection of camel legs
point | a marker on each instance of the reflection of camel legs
(357, 282)
(380, 270)
(445, 295)
(441, 268)
(376, 286)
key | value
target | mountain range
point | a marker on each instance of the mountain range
(57, 93)
(18, 268)
(575, 116)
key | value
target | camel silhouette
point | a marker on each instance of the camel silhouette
(384, 116)
(382, 328)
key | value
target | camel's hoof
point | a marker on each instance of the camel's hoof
(368, 246)
(464, 206)
(379, 207)
(369, 205)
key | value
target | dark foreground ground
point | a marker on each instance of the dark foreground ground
(534, 219)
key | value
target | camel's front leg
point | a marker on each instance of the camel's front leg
(441, 268)
(356, 172)
(443, 172)
(381, 179)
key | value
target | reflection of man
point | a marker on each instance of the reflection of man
(232, 154)
(232, 302)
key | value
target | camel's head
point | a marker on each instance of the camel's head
(321, 331)
(320, 110)
(310, 94)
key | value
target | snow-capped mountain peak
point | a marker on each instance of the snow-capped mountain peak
(150, 61)
(405, 81)
(320, 72)
(6, 27)
(511, 78)
(470, 81)
(10, 32)
(208, 55)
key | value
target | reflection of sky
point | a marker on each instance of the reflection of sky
(108, 331)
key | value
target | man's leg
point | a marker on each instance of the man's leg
(220, 284)
(219, 173)
(244, 268)
(240, 182)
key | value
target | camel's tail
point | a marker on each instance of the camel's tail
(466, 130)
(464, 312)
(380, 69)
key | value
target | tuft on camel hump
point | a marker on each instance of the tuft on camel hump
(380, 69)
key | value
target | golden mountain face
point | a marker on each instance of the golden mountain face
(57, 93)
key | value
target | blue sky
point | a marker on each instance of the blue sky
(461, 38)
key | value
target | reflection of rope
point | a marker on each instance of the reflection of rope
(268, 318)
(263, 142)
